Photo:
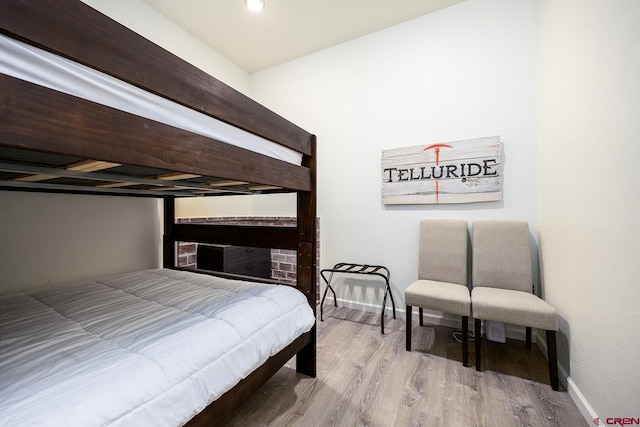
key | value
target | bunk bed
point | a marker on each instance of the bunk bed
(118, 115)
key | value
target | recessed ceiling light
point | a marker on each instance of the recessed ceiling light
(255, 5)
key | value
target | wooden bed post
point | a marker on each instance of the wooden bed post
(168, 237)
(307, 254)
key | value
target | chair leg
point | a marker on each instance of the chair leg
(408, 336)
(552, 354)
(465, 340)
(421, 318)
(528, 337)
(478, 339)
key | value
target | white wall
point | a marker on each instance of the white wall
(241, 205)
(463, 72)
(148, 22)
(589, 203)
(50, 239)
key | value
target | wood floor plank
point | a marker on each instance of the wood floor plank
(369, 379)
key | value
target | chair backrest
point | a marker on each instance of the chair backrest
(443, 250)
(501, 255)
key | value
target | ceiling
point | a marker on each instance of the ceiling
(287, 29)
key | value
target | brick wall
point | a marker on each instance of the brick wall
(283, 265)
(187, 254)
(283, 262)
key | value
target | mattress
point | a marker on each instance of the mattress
(147, 348)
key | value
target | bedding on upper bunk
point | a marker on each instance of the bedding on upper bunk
(35, 65)
(150, 348)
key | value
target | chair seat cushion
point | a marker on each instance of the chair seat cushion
(515, 307)
(441, 296)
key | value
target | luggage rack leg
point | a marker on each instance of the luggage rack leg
(324, 295)
(387, 290)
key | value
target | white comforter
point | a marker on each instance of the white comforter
(149, 348)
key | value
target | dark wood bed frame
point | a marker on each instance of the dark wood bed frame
(34, 119)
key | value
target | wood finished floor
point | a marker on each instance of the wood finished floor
(368, 379)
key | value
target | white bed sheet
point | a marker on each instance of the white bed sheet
(148, 348)
(32, 64)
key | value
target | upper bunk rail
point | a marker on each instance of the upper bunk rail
(72, 126)
(109, 47)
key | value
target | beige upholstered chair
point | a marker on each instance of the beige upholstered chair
(502, 285)
(442, 275)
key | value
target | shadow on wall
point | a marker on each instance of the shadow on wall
(563, 336)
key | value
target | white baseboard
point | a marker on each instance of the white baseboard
(512, 331)
(583, 406)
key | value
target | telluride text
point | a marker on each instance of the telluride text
(461, 170)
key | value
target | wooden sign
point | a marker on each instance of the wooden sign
(453, 172)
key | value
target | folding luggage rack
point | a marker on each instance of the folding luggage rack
(349, 268)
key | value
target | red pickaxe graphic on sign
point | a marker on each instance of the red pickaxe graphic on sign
(437, 148)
